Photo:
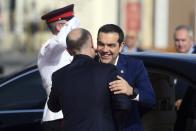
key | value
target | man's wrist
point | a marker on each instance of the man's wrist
(134, 94)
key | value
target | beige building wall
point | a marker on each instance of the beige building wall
(145, 21)
(181, 12)
(92, 15)
(147, 26)
(95, 13)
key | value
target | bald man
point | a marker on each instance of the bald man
(81, 89)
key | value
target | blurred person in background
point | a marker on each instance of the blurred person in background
(53, 55)
(133, 80)
(183, 38)
(185, 96)
(131, 43)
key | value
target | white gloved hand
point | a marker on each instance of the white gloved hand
(72, 24)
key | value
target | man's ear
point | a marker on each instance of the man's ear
(121, 46)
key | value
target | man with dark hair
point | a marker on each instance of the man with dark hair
(53, 55)
(133, 80)
(81, 90)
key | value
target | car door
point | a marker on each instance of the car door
(164, 115)
(22, 99)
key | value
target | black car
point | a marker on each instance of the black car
(22, 96)
(22, 99)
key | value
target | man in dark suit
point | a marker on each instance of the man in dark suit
(81, 90)
(183, 38)
(185, 96)
(133, 80)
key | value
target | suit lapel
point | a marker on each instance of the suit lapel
(194, 50)
(122, 65)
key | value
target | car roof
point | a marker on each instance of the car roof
(181, 64)
(18, 73)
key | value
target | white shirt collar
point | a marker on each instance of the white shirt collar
(116, 60)
(191, 50)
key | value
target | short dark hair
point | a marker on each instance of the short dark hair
(111, 28)
(76, 45)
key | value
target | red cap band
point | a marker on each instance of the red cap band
(67, 14)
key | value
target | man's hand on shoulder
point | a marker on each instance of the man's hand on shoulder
(121, 86)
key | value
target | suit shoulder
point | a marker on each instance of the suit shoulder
(60, 71)
(131, 59)
(104, 66)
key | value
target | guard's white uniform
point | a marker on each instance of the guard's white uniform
(52, 56)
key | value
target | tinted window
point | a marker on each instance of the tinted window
(164, 111)
(167, 90)
(23, 93)
(163, 85)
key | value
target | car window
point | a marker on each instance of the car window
(164, 111)
(163, 86)
(23, 93)
(166, 86)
